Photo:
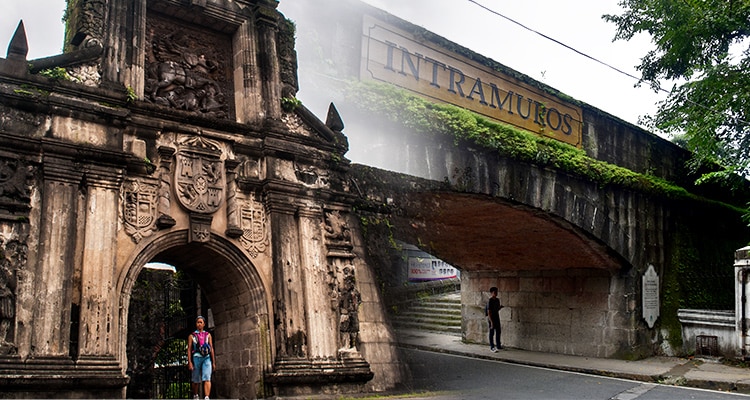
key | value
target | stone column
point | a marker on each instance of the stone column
(96, 333)
(50, 335)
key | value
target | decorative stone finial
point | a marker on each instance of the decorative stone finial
(18, 47)
(334, 121)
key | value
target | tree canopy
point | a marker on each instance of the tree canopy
(705, 44)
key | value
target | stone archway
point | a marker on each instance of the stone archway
(239, 302)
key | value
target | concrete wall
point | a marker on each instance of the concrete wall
(709, 332)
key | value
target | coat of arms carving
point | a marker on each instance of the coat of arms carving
(139, 201)
(199, 181)
(254, 228)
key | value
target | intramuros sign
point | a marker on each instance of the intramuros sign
(394, 56)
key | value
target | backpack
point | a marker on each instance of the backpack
(200, 343)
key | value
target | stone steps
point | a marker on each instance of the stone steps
(440, 313)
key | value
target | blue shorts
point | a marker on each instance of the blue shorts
(201, 368)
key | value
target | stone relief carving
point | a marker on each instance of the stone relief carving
(254, 237)
(13, 255)
(349, 301)
(13, 181)
(311, 176)
(336, 227)
(139, 204)
(164, 208)
(85, 74)
(185, 71)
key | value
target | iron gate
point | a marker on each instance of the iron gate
(171, 379)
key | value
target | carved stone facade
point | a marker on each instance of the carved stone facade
(170, 144)
(186, 67)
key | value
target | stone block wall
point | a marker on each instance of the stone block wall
(582, 311)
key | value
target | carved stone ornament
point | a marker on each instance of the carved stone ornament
(349, 301)
(186, 68)
(199, 176)
(254, 237)
(336, 228)
(13, 255)
(14, 186)
(200, 228)
(139, 202)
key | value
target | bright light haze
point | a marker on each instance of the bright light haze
(578, 24)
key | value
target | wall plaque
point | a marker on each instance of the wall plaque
(650, 296)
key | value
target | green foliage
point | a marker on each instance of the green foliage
(703, 43)
(430, 119)
(131, 97)
(56, 73)
(289, 104)
(178, 390)
(174, 352)
(23, 92)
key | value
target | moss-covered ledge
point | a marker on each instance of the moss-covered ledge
(427, 118)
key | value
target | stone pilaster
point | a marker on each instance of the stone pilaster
(96, 336)
(321, 320)
(50, 335)
(124, 42)
(266, 19)
(288, 292)
(247, 94)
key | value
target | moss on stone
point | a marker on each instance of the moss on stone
(432, 119)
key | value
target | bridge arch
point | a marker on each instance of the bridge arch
(565, 291)
(238, 298)
(565, 252)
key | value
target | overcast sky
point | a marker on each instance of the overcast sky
(576, 23)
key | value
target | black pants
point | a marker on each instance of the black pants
(495, 334)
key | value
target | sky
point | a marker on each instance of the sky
(577, 24)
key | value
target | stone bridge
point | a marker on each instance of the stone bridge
(168, 131)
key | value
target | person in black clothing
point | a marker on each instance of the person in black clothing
(493, 317)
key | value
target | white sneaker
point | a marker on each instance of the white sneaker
(494, 350)
(205, 398)
(196, 397)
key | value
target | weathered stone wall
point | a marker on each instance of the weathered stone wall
(544, 272)
(578, 312)
(249, 199)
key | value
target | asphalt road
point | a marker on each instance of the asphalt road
(444, 376)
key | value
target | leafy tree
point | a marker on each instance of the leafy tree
(703, 43)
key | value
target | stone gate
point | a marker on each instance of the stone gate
(168, 131)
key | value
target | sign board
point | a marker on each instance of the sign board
(423, 269)
(397, 57)
(650, 296)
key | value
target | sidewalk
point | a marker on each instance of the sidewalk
(706, 374)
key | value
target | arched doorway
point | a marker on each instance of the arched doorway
(239, 303)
